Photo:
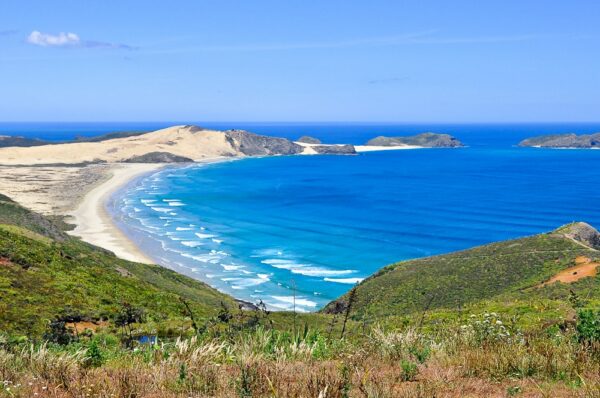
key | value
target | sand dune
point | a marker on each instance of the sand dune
(187, 141)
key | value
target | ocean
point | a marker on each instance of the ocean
(310, 227)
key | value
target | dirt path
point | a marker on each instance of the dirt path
(584, 267)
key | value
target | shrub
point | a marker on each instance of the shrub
(588, 326)
(93, 356)
(488, 328)
(409, 371)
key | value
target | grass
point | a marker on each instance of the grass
(45, 274)
(504, 274)
(262, 362)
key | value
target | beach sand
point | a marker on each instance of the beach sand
(93, 223)
(78, 194)
(308, 150)
(371, 148)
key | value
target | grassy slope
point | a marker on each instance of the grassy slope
(496, 276)
(43, 273)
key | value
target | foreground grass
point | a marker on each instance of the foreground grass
(483, 357)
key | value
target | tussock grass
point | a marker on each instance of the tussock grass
(269, 363)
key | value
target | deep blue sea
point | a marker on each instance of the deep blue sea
(263, 228)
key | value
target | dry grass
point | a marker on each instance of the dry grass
(269, 364)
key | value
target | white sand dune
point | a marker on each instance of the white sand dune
(187, 141)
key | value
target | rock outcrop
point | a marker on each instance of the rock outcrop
(158, 157)
(581, 232)
(563, 141)
(309, 140)
(251, 144)
(426, 140)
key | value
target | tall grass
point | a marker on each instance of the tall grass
(268, 363)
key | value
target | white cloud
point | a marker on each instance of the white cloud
(47, 40)
(71, 40)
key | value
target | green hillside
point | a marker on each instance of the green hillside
(45, 274)
(505, 275)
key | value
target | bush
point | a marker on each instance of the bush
(93, 357)
(409, 371)
(588, 326)
(59, 333)
(488, 328)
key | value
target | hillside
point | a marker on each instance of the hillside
(509, 273)
(425, 140)
(18, 141)
(584, 141)
(44, 274)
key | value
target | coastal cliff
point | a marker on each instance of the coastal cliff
(251, 144)
(425, 140)
(584, 141)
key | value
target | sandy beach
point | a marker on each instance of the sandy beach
(372, 148)
(93, 223)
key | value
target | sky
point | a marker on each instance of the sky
(367, 61)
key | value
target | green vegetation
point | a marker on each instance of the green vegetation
(232, 358)
(502, 277)
(77, 321)
(44, 274)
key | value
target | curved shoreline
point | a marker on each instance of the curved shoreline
(93, 223)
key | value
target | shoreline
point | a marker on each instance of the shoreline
(93, 223)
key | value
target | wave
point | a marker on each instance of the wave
(203, 258)
(349, 281)
(231, 267)
(161, 209)
(204, 236)
(304, 269)
(267, 253)
(217, 241)
(191, 243)
(183, 229)
(249, 282)
(297, 300)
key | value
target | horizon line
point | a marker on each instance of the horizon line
(176, 122)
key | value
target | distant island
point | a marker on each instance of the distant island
(424, 140)
(584, 141)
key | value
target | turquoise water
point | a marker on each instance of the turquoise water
(266, 228)
(315, 225)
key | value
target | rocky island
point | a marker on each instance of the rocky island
(583, 141)
(305, 139)
(423, 140)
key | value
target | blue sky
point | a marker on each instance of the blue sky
(372, 61)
